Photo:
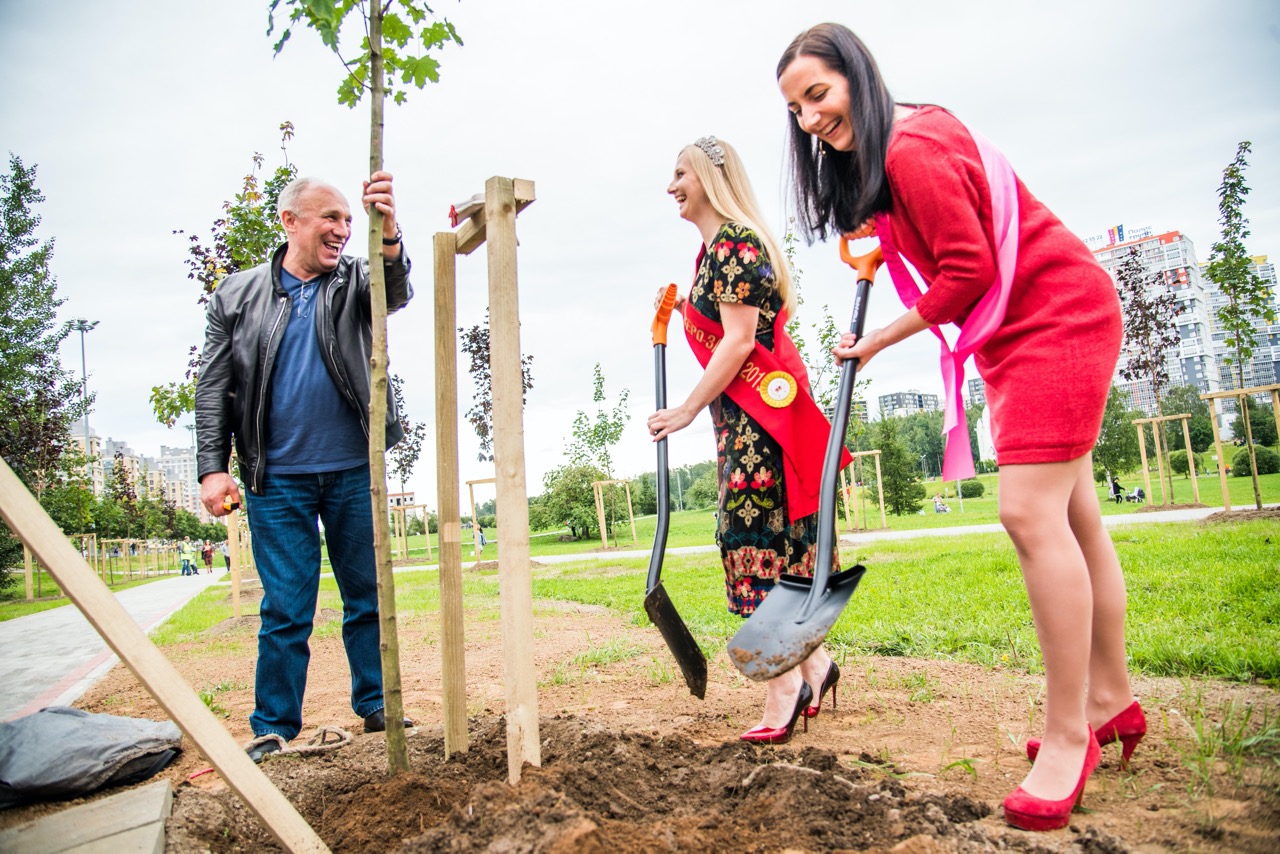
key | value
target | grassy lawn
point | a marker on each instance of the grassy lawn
(13, 601)
(1202, 600)
(697, 527)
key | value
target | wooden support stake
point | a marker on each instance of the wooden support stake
(26, 564)
(1142, 453)
(844, 490)
(233, 546)
(884, 523)
(28, 520)
(1191, 459)
(631, 513)
(514, 572)
(598, 491)
(1157, 440)
(453, 668)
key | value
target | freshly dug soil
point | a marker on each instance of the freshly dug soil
(913, 756)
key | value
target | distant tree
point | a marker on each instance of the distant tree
(475, 343)
(404, 456)
(595, 435)
(569, 501)
(1178, 463)
(921, 434)
(244, 236)
(1267, 461)
(644, 494)
(1186, 398)
(1231, 269)
(1150, 309)
(903, 491)
(703, 492)
(39, 401)
(121, 492)
(1262, 423)
(1116, 451)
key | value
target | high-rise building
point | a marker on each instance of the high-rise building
(1172, 256)
(96, 474)
(1264, 368)
(857, 409)
(179, 464)
(977, 392)
(903, 403)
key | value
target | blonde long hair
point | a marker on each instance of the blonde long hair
(729, 191)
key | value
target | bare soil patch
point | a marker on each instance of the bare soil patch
(1242, 515)
(916, 757)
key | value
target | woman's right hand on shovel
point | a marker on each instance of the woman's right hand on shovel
(851, 347)
(662, 292)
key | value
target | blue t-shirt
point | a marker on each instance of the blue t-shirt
(310, 426)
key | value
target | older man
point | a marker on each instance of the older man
(285, 371)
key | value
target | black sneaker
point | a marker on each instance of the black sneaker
(377, 722)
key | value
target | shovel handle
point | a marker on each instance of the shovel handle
(864, 265)
(663, 317)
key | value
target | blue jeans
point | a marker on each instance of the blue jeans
(286, 548)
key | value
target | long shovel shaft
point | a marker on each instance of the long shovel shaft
(663, 479)
(831, 463)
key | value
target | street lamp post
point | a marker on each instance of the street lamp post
(82, 326)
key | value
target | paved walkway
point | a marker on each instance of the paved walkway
(53, 657)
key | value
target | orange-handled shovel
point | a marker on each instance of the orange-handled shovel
(795, 617)
(657, 604)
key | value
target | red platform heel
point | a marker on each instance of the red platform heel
(1026, 811)
(781, 735)
(1128, 728)
(828, 682)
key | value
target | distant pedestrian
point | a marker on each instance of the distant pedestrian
(226, 553)
(187, 554)
(207, 552)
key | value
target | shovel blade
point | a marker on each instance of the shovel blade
(693, 664)
(772, 641)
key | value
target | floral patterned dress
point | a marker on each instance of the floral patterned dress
(757, 543)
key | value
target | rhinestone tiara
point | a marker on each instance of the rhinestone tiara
(711, 147)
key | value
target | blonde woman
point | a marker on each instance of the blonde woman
(767, 426)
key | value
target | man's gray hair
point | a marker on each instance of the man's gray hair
(289, 196)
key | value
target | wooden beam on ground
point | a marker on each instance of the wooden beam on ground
(514, 572)
(28, 520)
(448, 524)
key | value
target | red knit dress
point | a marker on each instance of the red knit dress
(1048, 367)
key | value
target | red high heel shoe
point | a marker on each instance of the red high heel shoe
(1026, 811)
(781, 735)
(828, 682)
(1128, 727)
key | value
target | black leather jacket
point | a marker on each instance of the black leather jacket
(246, 320)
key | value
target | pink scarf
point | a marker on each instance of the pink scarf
(985, 318)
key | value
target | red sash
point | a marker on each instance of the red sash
(773, 388)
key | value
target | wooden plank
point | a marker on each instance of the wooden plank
(233, 546)
(1142, 452)
(448, 523)
(1191, 459)
(100, 825)
(28, 520)
(626, 484)
(514, 573)
(884, 523)
(472, 232)
(28, 572)
(1217, 448)
(1260, 389)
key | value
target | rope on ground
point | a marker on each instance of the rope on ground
(318, 743)
(746, 784)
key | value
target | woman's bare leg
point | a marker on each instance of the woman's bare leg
(814, 670)
(1034, 502)
(781, 694)
(1109, 691)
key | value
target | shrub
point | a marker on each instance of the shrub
(1178, 462)
(1268, 461)
(972, 488)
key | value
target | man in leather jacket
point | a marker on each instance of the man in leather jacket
(285, 371)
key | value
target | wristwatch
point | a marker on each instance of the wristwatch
(392, 241)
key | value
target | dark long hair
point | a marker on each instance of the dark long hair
(836, 191)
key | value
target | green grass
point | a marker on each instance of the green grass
(1202, 600)
(13, 603)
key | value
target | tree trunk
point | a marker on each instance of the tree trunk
(397, 747)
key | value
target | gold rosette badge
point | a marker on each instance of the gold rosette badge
(778, 389)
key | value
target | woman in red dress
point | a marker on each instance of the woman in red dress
(919, 175)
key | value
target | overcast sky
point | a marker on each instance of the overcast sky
(143, 117)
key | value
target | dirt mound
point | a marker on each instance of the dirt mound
(1243, 515)
(598, 791)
